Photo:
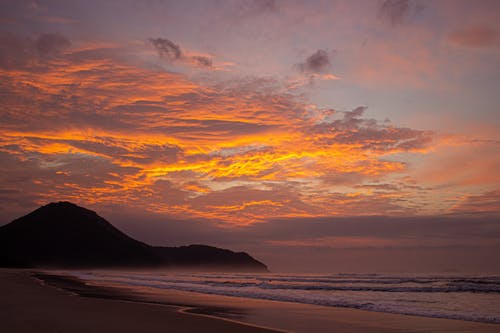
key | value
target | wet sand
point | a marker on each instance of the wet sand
(28, 306)
(305, 318)
(31, 306)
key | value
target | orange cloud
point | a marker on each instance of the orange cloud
(89, 127)
(482, 204)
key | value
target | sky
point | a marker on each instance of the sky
(316, 135)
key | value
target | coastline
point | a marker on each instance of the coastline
(31, 306)
(242, 314)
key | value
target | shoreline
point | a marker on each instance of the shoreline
(284, 316)
(439, 297)
(30, 304)
(242, 314)
(80, 288)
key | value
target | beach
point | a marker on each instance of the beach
(29, 306)
(45, 302)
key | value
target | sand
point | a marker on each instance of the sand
(30, 306)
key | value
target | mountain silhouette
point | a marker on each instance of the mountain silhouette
(64, 235)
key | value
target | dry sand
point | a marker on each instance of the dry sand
(28, 306)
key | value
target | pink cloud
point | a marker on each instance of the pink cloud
(475, 37)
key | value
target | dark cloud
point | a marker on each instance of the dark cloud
(21, 51)
(397, 12)
(354, 114)
(475, 37)
(317, 63)
(202, 61)
(166, 48)
(172, 52)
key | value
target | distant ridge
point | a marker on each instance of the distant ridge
(64, 235)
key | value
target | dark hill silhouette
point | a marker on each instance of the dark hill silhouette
(65, 235)
(204, 256)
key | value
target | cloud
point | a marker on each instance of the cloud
(485, 204)
(317, 63)
(349, 127)
(21, 51)
(475, 37)
(460, 163)
(166, 48)
(202, 61)
(397, 12)
(237, 152)
(172, 52)
(317, 66)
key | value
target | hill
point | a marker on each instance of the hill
(64, 235)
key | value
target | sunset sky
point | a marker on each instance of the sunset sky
(353, 129)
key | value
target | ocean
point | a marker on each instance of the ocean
(463, 297)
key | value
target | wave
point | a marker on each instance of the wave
(371, 293)
(444, 286)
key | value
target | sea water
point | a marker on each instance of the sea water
(471, 298)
